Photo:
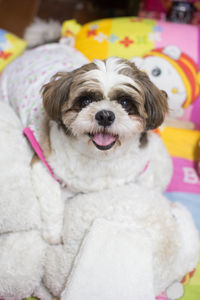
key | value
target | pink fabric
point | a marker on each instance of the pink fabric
(162, 297)
(30, 136)
(185, 177)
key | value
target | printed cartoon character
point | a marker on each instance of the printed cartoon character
(174, 72)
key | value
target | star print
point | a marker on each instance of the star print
(126, 42)
(94, 26)
(157, 29)
(154, 36)
(69, 32)
(100, 37)
(91, 32)
(5, 55)
(113, 38)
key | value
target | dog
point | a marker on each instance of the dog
(90, 123)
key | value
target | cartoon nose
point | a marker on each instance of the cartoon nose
(105, 117)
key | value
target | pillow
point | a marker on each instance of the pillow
(168, 52)
(10, 47)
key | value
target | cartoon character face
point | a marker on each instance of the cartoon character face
(166, 77)
(174, 72)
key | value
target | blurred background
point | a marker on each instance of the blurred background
(16, 15)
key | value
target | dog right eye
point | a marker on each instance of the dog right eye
(85, 101)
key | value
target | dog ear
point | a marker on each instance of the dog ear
(155, 100)
(156, 103)
(55, 93)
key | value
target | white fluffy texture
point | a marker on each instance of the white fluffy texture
(128, 205)
(51, 203)
(107, 74)
(41, 32)
(21, 264)
(26, 253)
(175, 291)
(118, 267)
(19, 209)
(84, 168)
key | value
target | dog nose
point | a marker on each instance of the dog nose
(105, 117)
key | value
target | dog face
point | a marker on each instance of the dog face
(104, 103)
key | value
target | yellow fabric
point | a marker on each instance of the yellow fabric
(70, 28)
(124, 37)
(92, 39)
(181, 142)
(10, 47)
(192, 286)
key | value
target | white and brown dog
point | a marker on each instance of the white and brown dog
(95, 131)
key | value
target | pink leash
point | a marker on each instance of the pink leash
(30, 136)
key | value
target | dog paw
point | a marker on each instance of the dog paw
(175, 290)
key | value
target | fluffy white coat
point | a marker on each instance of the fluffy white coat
(30, 265)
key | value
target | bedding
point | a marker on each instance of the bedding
(173, 63)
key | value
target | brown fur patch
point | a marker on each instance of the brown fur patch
(45, 137)
(155, 101)
(35, 159)
(143, 139)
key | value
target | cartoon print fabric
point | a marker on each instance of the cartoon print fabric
(10, 47)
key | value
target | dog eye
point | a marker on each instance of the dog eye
(125, 103)
(84, 101)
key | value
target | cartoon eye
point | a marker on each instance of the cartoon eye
(156, 72)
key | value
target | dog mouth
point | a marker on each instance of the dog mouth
(103, 141)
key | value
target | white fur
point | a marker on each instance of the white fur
(108, 75)
(15, 175)
(84, 171)
(30, 264)
(127, 205)
(41, 32)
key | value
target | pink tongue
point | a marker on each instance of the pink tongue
(103, 139)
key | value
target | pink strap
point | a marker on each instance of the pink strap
(145, 168)
(30, 136)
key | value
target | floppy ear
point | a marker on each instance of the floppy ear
(156, 103)
(55, 93)
(156, 106)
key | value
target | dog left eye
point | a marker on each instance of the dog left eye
(125, 103)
